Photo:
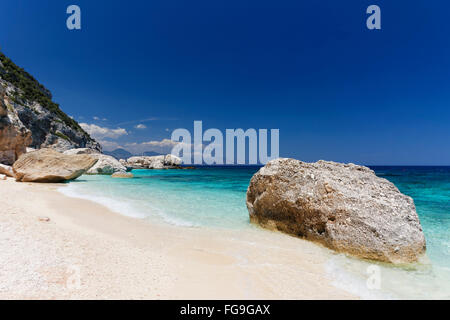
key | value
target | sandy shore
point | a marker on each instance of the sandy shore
(56, 247)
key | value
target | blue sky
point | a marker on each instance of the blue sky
(336, 90)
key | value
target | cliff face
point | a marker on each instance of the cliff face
(29, 117)
(14, 136)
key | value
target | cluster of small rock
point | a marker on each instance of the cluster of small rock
(105, 164)
(168, 161)
(49, 165)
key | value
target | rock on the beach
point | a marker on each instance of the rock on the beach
(106, 165)
(3, 177)
(343, 206)
(6, 170)
(48, 165)
(123, 175)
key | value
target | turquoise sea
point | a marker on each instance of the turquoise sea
(214, 197)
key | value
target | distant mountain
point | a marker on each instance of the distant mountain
(124, 154)
(119, 154)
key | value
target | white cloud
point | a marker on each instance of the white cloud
(164, 146)
(100, 133)
(98, 119)
(141, 126)
(162, 143)
(137, 121)
(108, 145)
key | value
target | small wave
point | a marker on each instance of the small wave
(123, 207)
(179, 222)
(114, 205)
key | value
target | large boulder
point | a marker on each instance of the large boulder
(106, 165)
(154, 162)
(48, 165)
(122, 175)
(343, 206)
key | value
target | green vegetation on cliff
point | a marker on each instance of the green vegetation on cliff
(62, 136)
(32, 90)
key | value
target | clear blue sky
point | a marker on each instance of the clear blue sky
(336, 90)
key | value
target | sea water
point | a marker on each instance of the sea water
(214, 197)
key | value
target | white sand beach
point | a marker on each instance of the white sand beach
(56, 247)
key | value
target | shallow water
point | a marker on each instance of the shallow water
(214, 197)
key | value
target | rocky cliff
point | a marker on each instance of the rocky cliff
(14, 136)
(29, 117)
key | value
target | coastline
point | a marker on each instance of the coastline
(118, 257)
